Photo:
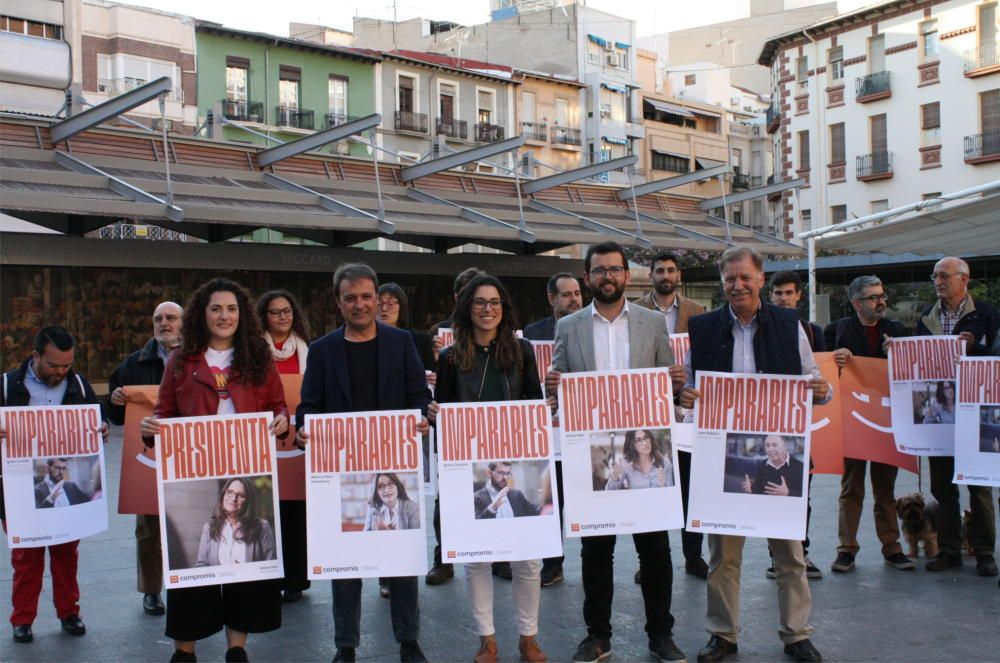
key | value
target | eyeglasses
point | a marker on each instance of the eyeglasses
(280, 312)
(601, 272)
(501, 473)
(943, 275)
(874, 299)
(61, 468)
(483, 304)
(236, 495)
(388, 303)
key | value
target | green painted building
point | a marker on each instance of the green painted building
(281, 87)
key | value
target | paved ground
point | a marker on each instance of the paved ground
(873, 614)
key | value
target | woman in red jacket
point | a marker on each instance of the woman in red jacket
(223, 366)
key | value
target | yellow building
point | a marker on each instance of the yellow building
(548, 115)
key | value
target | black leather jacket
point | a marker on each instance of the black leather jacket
(455, 386)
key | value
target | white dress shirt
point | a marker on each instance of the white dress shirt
(231, 551)
(672, 312)
(611, 345)
(505, 510)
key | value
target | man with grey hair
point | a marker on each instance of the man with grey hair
(145, 367)
(956, 313)
(865, 334)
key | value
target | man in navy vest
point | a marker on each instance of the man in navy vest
(746, 335)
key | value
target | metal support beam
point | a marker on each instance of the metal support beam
(763, 237)
(317, 140)
(752, 194)
(684, 231)
(119, 186)
(589, 224)
(470, 214)
(549, 181)
(62, 131)
(329, 203)
(447, 162)
(671, 182)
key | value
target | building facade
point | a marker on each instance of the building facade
(884, 107)
(548, 116)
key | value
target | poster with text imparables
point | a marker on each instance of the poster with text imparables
(365, 495)
(54, 483)
(543, 360)
(749, 470)
(620, 473)
(977, 426)
(683, 428)
(496, 482)
(922, 393)
(217, 485)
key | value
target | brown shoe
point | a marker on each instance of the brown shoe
(530, 651)
(487, 650)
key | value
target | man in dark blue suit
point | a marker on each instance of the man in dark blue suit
(565, 298)
(361, 367)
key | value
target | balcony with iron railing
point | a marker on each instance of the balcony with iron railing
(296, 118)
(773, 118)
(741, 180)
(241, 110)
(537, 131)
(872, 87)
(566, 136)
(116, 86)
(453, 128)
(983, 60)
(410, 121)
(874, 166)
(488, 133)
(331, 120)
(982, 148)
(744, 130)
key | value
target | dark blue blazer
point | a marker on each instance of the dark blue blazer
(541, 330)
(326, 385)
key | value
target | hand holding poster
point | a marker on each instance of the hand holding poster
(364, 495)
(543, 361)
(216, 483)
(620, 472)
(922, 390)
(53, 471)
(977, 426)
(750, 464)
(497, 482)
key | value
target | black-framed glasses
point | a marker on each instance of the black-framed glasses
(875, 299)
(280, 312)
(601, 272)
(483, 304)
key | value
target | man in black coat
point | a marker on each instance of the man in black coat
(498, 500)
(778, 474)
(866, 334)
(564, 295)
(145, 367)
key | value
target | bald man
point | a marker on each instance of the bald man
(145, 366)
(956, 313)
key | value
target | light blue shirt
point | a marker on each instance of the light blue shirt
(41, 393)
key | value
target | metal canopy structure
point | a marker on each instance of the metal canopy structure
(751, 194)
(542, 183)
(589, 223)
(317, 140)
(472, 214)
(329, 203)
(449, 161)
(62, 131)
(671, 182)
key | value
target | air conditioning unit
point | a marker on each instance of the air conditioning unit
(613, 59)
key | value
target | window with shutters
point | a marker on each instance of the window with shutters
(876, 54)
(236, 83)
(803, 150)
(288, 87)
(807, 219)
(338, 96)
(929, 47)
(987, 32)
(930, 124)
(879, 141)
(836, 63)
(802, 72)
(838, 214)
(486, 102)
(838, 147)
(405, 101)
(673, 163)
(989, 112)
(879, 206)
(447, 107)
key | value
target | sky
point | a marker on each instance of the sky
(652, 16)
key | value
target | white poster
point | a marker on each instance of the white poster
(620, 472)
(446, 335)
(543, 360)
(53, 474)
(749, 470)
(429, 462)
(217, 489)
(922, 393)
(497, 482)
(683, 428)
(977, 426)
(364, 495)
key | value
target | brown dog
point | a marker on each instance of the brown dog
(919, 523)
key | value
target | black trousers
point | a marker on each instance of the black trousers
(293, 544)
(556, 562)
(690, 541)
(599, 583)
(198, 612)
(982, 520)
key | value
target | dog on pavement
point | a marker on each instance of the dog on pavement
(919, 522)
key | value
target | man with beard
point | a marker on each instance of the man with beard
(665, 274)
(778, 474)
(786, 292)
(610, 335)
(747, 335)
(865, 334)
(497, 499)
(145, 366)
(564, 298)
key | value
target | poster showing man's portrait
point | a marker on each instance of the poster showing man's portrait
(511, 489)
(762, 464)
(61, 482)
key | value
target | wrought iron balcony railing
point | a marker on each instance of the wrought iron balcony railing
(873, 166)
(453, 128)
(981, 146)
(566, 136)
(877, 84)
(287, 116)
(242, 110)
(535, 131)
(488, 133)
(410, 121)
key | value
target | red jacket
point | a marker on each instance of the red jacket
(193, 394)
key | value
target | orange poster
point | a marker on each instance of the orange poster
(291, 459)
(827, 445)
(137, 487)
(867, 421)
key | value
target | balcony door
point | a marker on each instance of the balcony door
(876, 54)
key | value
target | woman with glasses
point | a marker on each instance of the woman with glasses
(394, 310)
(286, 331)
(487, 362)
(643, 465)
(236, 534)
(223, 366)
(390, 508)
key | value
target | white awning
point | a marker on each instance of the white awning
(706, 113)
(671, 109)
(11, 224)
(686, 157)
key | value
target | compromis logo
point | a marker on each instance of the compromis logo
(595, 526)
(574, 527)
(695, 523)
(708, 525)
(475, 553)
(451, 554)
(971, 477)
(174, 580)
(317, 569)
(961, 477)
(339, 569)
(17, 539)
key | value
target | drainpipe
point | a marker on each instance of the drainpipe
(267, 90)
(820, 180)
